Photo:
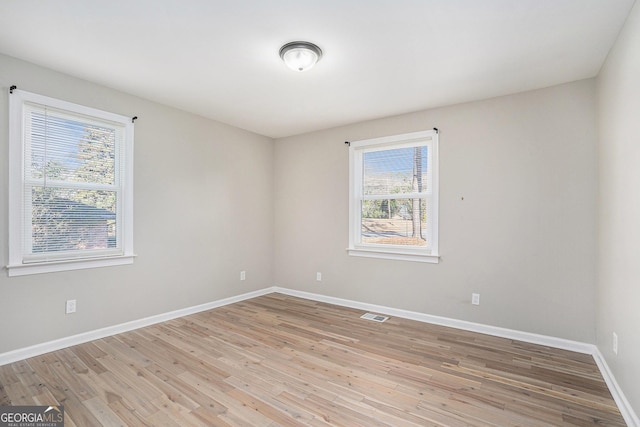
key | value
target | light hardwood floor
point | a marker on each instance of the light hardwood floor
(279, 360)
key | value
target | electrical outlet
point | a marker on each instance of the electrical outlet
(243, 275)
(615, 343)
(319, 277)
(70, 306)
(475, 299)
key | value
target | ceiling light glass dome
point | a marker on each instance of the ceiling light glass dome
(300, 56)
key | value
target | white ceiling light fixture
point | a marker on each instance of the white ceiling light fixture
(300, 56)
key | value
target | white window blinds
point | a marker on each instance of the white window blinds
(71, 185)
(395, 196)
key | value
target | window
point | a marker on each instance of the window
(70, 186)
(393, 203)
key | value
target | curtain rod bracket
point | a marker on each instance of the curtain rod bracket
(348, 143)
(133, 119)
(436, 129)
(12, 88)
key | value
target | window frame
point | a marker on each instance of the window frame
(429, 254)
(20, 262)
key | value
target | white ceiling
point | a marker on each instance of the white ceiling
(220, 58)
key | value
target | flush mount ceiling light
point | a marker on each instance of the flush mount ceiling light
(300, 56)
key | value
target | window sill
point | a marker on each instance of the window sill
(394, 254)
(55, 266)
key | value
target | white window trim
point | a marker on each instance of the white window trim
(403, 253)
(16, 265)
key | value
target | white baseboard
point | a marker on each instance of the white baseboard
(38, 349)
(564, 344)
(623, 404)
(629, 415)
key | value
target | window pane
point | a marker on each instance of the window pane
(400, 170)
(72, 220)
(64, 149)
(394, 222)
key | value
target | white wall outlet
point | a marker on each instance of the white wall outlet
(615, 343)
(319, 277)
(243, 275)
(475, 299)
(70, 307)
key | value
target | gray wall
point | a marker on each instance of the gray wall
(524, 236)
(203, 212)
(618, 296)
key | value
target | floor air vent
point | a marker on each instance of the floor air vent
(374, 317)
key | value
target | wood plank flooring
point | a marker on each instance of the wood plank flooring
(277, 360)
